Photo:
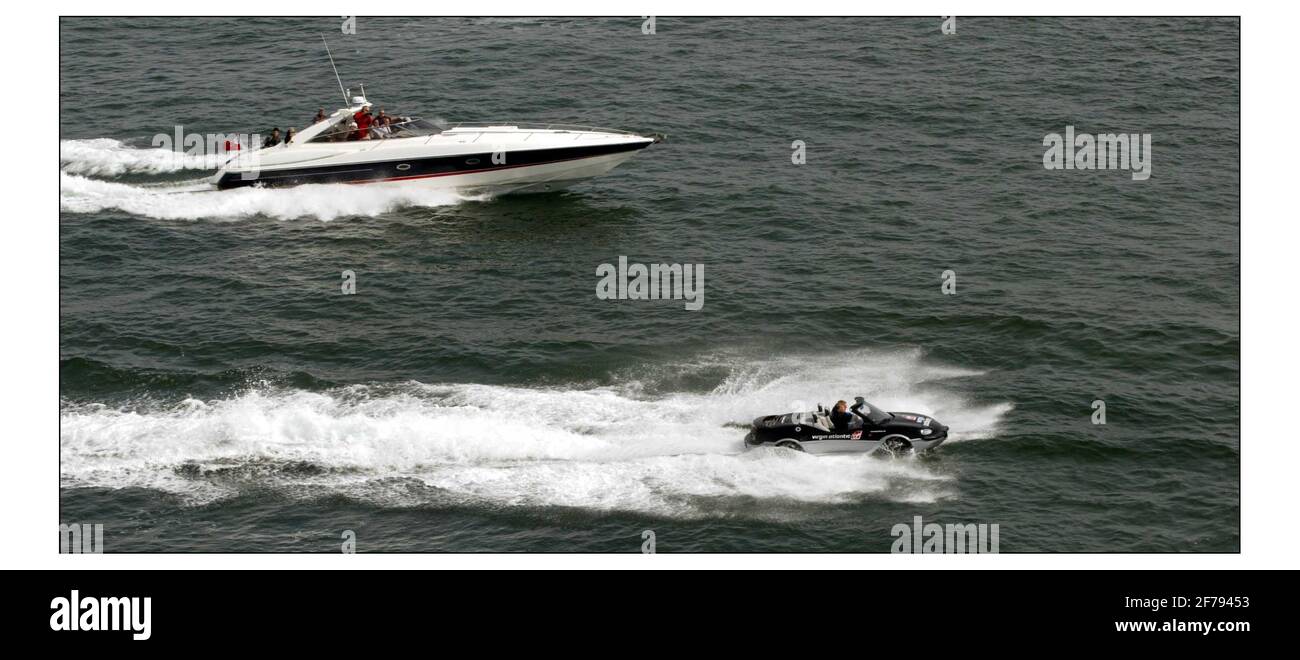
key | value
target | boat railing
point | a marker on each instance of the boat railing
(534, 126)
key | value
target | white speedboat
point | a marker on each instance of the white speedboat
(489, 157)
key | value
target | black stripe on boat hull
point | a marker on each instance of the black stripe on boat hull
(420, 168)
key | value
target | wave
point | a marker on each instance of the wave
(609, 447)
(199, 199)
(109, 157)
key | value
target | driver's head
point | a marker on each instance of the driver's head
(841, 406)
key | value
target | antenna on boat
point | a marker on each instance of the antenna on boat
(336, 71)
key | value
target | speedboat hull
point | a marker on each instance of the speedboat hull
(877, 431)
(443, 162)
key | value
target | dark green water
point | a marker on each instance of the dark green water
(219, 393)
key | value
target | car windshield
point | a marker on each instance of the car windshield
(874, 414)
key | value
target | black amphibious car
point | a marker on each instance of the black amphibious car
(868, 430)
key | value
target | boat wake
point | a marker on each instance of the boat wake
(200, 200)
(636, 445)
(86, 168)
(107, 157)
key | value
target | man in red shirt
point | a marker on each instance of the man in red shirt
(363, 120)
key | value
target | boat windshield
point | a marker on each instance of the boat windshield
(399, 127)
(874, 414)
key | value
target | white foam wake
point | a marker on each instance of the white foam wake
(605, 448)
(198, 199)
(109, 157)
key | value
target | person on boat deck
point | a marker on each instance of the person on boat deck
(840, 416)
(288, 136)
(274, 139)
(320, 116)
(349, 129)
(364, 120)
(381, 126)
